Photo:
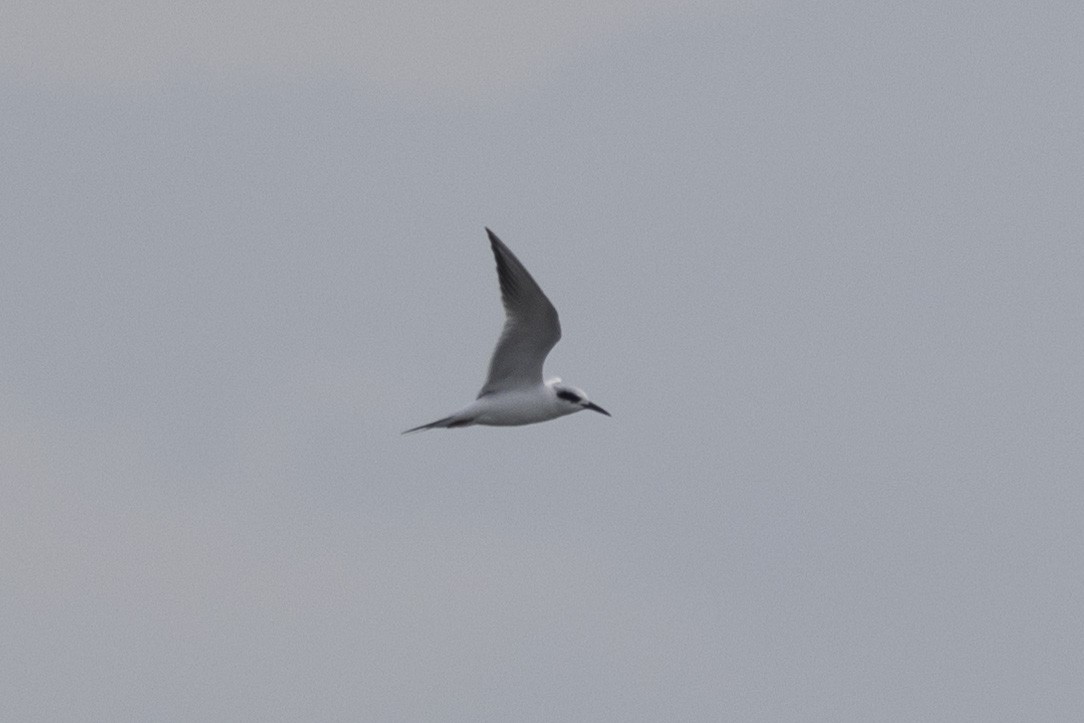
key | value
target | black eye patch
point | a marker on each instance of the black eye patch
(569, 396)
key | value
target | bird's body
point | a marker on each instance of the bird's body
(511, 408)
(514, 393)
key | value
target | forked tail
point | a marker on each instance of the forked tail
(446, 423)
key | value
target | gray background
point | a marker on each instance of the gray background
(822, 261)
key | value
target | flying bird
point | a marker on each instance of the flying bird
(515, 392)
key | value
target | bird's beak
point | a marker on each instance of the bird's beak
(596, 408)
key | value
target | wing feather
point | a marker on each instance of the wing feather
(531, 327)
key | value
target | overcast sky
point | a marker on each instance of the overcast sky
(824, 263)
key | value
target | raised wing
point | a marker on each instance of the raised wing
(530, 330)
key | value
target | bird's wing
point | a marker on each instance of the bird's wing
(531, 328)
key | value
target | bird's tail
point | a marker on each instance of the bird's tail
(446, 423)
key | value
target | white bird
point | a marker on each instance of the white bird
(514, 392)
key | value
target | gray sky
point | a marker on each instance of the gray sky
(822, 261)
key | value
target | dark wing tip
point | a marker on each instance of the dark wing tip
(509, 285)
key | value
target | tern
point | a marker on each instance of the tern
(514, 392)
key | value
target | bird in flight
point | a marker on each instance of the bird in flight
(514, 392)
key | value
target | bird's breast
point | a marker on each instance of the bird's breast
(517, 407)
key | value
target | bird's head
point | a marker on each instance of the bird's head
(575, 398)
